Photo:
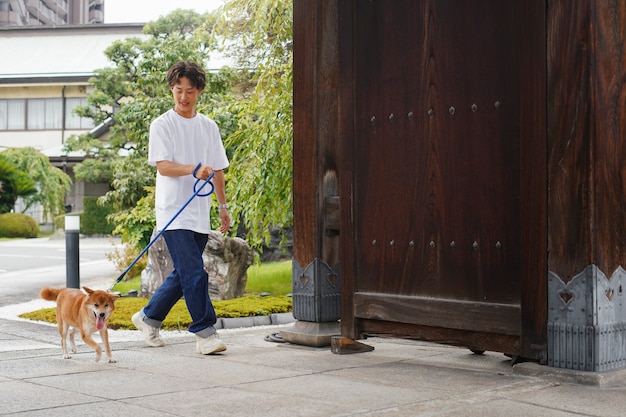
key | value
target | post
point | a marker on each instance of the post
(72, 231)
(315, 275)
(586, 327)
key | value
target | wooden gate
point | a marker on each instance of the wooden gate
(443, 172)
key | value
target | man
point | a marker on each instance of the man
(185, 146)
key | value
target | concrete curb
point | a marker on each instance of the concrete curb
(239, 322)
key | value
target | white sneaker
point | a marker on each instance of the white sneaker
(150, 334)
(209, 345)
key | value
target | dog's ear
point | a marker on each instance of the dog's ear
(113, 297)
(89, 290)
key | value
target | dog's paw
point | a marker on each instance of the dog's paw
(67, 357)
(111, 360)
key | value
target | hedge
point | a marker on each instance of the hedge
(18, 225)
(93, 218)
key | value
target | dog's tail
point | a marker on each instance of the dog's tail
(49, 294)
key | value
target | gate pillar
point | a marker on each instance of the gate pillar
(315, 276)
(586, 327)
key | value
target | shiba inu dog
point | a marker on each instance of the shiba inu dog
(86, 313)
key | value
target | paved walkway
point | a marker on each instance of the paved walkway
(255, 377)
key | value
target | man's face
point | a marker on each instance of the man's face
(185, 96)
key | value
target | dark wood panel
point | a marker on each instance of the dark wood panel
(437, 175)
(533, 178)
(452, 314)
(473, 340)
(315, 153)
(586, 118)
(609, 165)
(417, 178)
(390, 152)
(347, 236)
(569, 135)
(305, 108)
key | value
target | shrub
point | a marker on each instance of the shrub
(18, 225)
(124, 257)
(135, 226)
(59, 222)
(93, 220)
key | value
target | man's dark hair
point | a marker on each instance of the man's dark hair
(189, 69)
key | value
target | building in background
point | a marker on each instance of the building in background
(45, 79)
(51, 12)
(44, 76)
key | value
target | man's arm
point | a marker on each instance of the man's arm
(220, 192)
(174, 169)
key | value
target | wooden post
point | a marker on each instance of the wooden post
(316, 278)
(587, 177)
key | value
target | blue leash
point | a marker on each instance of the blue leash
(195, 193)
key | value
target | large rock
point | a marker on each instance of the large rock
(226, 260)
(158, 267)
(280, 247)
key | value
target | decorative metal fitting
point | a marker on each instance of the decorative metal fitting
(497, 105)
(452, 244)
(498, 245)
(373, 120)
(451, 110)
(474, 108)
(475, 245)
(392, 243)
(374, 242)
(391, 117)
(431, 112)
(411, 115)
(432, 243)
(411, 244)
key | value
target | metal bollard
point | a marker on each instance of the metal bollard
(72, 231)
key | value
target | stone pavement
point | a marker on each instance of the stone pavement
(255, 377)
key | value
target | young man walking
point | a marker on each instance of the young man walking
(184, 146)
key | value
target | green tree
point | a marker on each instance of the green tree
(252, 105)
(129, 95)
(259, 36)
(14, 183)
(52, 183)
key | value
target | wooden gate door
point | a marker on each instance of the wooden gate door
(445, 172)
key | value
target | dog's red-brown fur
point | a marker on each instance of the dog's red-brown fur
(87, 313)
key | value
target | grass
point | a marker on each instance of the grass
(125, 286)
(273, 278)
(40, 234)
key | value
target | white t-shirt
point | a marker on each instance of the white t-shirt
(185, 141)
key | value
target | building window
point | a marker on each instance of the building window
(12, 114)
(45, 113)
(42, 114)
(72, 121)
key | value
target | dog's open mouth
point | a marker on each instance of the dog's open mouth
(99, 321)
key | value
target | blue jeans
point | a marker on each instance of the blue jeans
(189, 280)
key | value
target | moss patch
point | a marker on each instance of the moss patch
(178, 318)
